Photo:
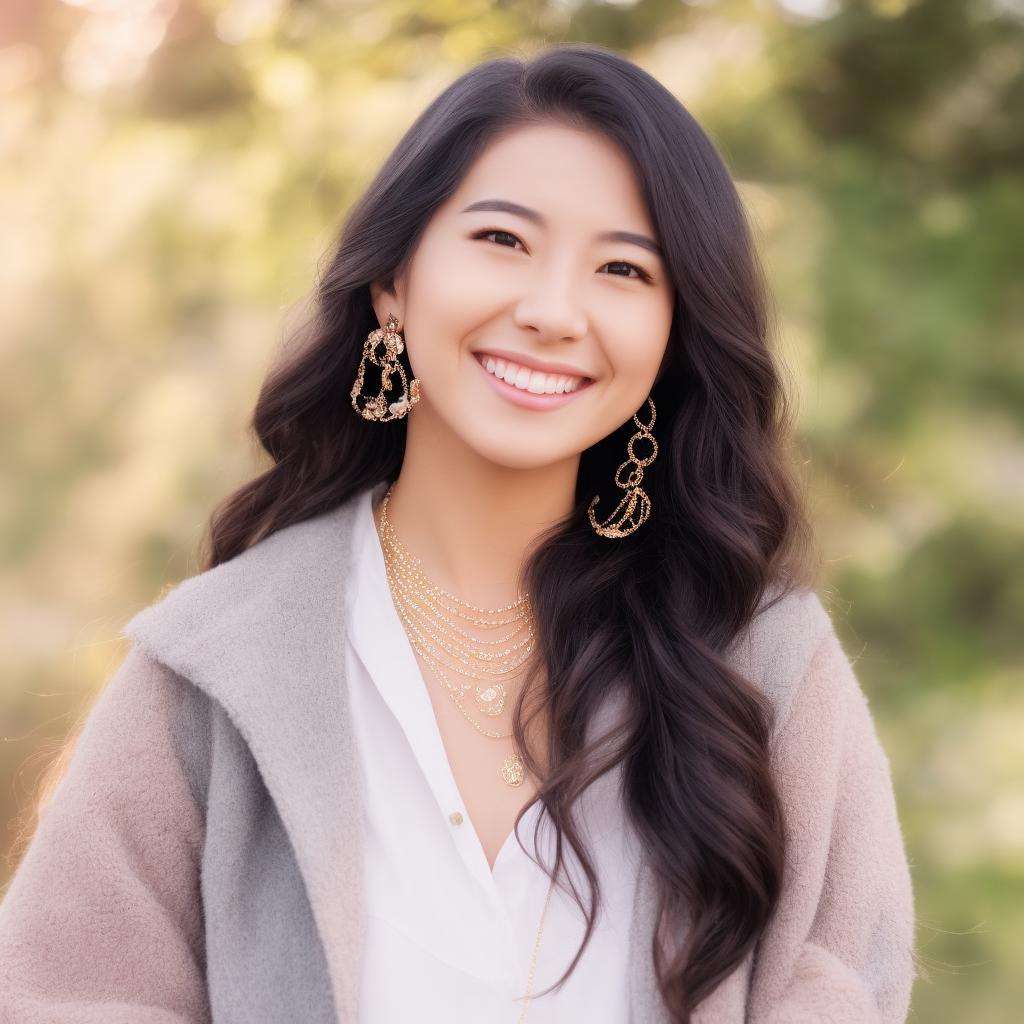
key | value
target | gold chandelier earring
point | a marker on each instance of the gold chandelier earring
(634, 506)
(382, 348)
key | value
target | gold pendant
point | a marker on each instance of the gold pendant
(512, 770)
(492, 700)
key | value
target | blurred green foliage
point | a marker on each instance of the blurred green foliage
(173, 173)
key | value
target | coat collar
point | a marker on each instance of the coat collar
(263, 634)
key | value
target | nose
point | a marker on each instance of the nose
(551, 311)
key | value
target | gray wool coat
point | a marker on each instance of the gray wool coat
(200, 859)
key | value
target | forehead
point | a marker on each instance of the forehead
(572, 176)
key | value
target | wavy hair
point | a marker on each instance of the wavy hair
(649, 615)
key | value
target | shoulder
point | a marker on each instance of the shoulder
(258, 638)
(137, 707)
(124, 762)
(776, 650)
(286, 574)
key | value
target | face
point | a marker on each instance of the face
(545, 287)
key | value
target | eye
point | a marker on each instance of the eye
(497, 231)
(641, 274)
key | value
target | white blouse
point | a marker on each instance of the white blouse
(448, 940)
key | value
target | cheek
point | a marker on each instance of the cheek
(432, 315)
(635, 354)
(450, 295)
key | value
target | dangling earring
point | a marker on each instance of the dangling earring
(378, 408)
(625, 519)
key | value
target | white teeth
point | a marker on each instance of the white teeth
(534, 381)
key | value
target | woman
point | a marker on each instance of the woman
(523, 599)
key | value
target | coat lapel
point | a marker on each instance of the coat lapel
(263, 635)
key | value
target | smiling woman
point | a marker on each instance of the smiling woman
(568, 281)
(300, 798)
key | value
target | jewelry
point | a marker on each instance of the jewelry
(430, 614)
(377, 407)
(533, 959)
(408, 581)
(625, 519)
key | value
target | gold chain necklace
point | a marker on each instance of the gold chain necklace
(431, 615)
(533, 959)
(415, 594)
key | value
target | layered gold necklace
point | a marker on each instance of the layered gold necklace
(432, 615)
(434, 620)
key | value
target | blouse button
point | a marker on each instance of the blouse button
(455, 818)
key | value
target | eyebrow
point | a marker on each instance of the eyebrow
(518, 210)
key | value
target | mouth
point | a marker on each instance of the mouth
(529, 388)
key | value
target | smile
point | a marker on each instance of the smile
(528, 388)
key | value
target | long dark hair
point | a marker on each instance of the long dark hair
(650, 614)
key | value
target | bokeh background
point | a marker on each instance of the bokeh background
(172, 173)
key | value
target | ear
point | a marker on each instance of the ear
(387, 296)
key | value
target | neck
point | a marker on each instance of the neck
(471, 522)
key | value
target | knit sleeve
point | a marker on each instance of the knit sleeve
(840, 947)
(102, 920)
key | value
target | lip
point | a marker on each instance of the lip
(531, 363)
(527, 399)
